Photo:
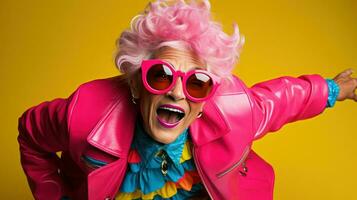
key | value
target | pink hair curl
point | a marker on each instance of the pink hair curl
(178, 25)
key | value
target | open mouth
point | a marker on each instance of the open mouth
(169, 116)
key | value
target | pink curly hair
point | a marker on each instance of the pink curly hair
(178, 25)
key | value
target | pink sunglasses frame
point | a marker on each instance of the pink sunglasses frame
(147, 64)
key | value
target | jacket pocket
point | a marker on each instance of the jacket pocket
(258, 182)
(237, 164)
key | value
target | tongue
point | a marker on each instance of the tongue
(168, 116)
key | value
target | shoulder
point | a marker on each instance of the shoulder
(234, 103)
(101, 92)
(231, 86)
(104, 87)
(229, 111)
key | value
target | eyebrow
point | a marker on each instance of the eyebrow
(199, 68)
(196, 67)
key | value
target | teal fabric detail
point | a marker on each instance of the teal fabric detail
(147, 176)
(333, 92)
(189, 165)
(93, 161)
(148, 147)
(150, 180)
(134, 167)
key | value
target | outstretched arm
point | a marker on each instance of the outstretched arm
(288, 99)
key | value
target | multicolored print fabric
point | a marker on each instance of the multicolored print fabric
(145, 179)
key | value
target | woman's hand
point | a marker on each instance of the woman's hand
(347, 85)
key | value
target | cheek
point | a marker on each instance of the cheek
(196, 108)
(147, 106)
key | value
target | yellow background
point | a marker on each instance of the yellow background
(49, 47)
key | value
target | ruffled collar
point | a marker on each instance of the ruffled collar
(145, 179)
(148, 147)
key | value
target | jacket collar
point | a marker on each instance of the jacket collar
(210, 126)
(114, 131)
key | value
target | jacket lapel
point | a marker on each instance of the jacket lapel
(211, 126)
(114, 132)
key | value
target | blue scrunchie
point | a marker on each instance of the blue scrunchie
(333, 91)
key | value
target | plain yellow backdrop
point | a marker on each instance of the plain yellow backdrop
(49, 47)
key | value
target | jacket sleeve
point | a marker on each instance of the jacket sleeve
(286, 99)
(43, 131)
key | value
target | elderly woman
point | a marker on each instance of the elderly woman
(176, 125)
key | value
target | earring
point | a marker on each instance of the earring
(133, 99)
(199, 115)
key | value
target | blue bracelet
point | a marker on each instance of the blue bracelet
(333, 91)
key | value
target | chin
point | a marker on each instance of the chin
(165, 136)
(167, 123)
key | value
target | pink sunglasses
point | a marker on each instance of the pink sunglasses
(159, 77)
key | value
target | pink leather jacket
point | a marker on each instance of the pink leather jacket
(97, 121)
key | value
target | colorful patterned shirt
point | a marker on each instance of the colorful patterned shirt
(160, 171)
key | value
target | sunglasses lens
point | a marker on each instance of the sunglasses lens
(159, 77)
(199, 85)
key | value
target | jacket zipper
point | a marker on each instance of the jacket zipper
(244, 156)
(200, 172)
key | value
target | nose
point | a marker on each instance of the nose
(176, 93)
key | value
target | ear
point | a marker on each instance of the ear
(135, 86)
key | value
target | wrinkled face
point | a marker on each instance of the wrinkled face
(166, 116)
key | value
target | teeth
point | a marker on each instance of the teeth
(172, 109)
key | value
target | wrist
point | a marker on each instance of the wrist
(333, 93)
